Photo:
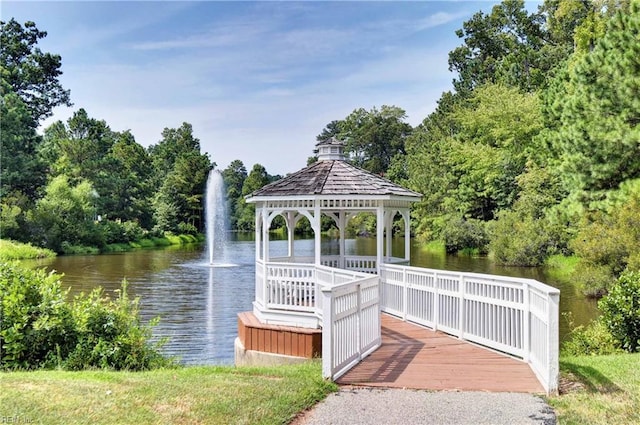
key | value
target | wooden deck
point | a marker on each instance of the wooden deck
(415, 357)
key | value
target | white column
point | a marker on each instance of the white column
(379, 236)
(316, 231)
(258, 229)
(291, 224)
(388, 224)
(265, 235)
(407, 234)
(342, 224)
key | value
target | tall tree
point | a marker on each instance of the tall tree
(180, 174)
(131, 180)
(21, 171)
(502, 46)
(257, 178)
(65, 215)
(79, 149)
(175, 142)
(234, 176)
(31, 73)
(467, 156)
(373, 138)
(597, 110)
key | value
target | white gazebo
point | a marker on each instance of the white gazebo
(335, 188)
(331, 305)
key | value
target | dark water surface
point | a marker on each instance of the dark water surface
(198, 305)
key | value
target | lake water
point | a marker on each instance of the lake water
(198, 305)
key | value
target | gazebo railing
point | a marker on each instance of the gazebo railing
(345, 303)
(361, 263)
(294, 287)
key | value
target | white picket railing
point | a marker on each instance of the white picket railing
(346, 303)
(351, 324)
(512, 315)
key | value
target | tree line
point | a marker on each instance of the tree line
(535, 150)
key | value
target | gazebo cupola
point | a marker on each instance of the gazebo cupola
(331, 149)
(337, 189)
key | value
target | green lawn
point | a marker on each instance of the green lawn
(599, 390)
(596, 390)
(190, 395)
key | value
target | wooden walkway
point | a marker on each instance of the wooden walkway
(415, 357)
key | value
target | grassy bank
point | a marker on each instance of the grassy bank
(599, 390)
(561, 267)
(194, 395)
(153, 242)
(11, 250)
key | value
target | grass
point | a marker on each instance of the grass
(604, 390)
(594, 390)
(434, 247)
(194, 395)
(11, 250)
(154, 242)
(561, 267)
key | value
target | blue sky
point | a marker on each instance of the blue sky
(257, 80)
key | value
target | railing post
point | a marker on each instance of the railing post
(461, 290)
(405, 294)
(327, 332)
(526, 323)
(436, 302)
(265, 281)
(359, 319)
(553, 343)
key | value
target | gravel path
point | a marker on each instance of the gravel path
(352, 406)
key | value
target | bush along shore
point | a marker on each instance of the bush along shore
(12, 250)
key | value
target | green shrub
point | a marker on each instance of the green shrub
(117, 247)
(594, 279)
(39, 328)
(187, 228)
(117, 232)
(132, 231)
(621, 311)
(611, 239)
(69, 249)
(521, 240)
(161, 241)
(111, 336)
(36, 324)
(593, 339)
(459, 234)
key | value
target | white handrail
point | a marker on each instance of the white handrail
(351, 327)
(512, 315)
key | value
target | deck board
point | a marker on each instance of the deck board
(415, 357)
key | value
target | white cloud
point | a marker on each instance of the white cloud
(257, 89)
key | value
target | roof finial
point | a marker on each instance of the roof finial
(330, 149)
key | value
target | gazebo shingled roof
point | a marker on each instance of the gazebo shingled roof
(333, 177)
